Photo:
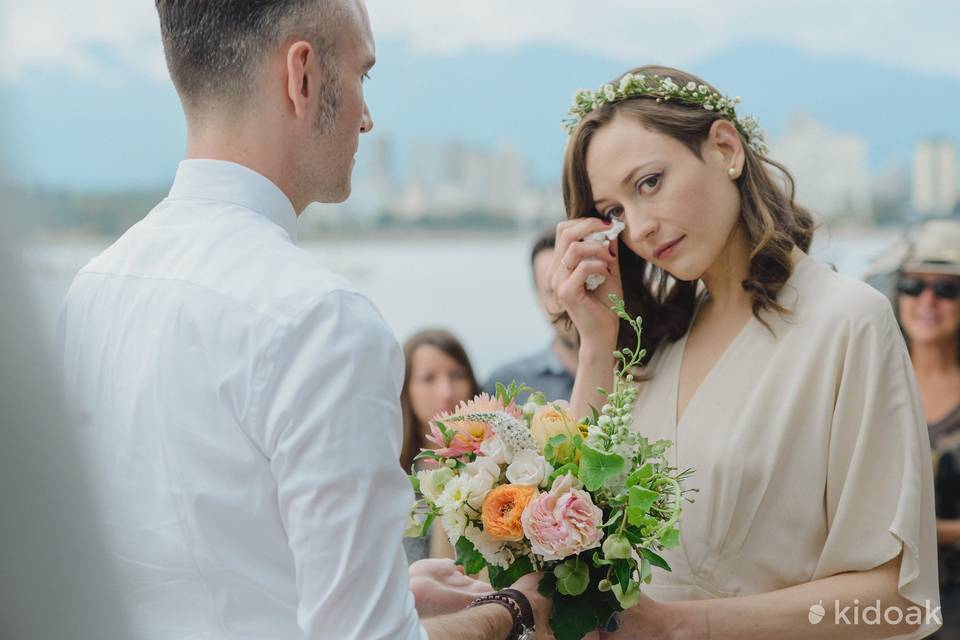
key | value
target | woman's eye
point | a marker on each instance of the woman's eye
(611, 213)
(648, 184)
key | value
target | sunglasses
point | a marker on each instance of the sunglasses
(943, 289)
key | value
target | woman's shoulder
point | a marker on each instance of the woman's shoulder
(819, 294)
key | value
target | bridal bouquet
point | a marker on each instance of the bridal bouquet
(520, 489)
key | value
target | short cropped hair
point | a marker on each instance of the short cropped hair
(213, 47)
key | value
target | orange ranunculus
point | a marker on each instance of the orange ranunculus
(502, 509)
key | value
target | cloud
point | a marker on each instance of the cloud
(79, 36)
(916, 34)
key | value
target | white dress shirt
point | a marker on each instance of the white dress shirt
(239, 407)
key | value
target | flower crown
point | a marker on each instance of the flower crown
(665, 89)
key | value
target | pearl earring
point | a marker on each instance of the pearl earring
(732, 172)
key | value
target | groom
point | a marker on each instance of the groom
(239, 403)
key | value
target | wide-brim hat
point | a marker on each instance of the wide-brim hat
(931, 247)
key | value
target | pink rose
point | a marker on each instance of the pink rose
(563, 521)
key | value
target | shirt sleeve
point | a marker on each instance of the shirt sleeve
(879, 493)
(330, 415)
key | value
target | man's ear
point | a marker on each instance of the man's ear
(299, 79)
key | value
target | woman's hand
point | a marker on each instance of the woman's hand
(574, 260)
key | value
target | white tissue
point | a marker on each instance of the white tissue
(594, 280)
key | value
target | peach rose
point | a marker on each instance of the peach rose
(553, 419)
(503, 509)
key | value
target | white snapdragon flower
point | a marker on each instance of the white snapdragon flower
(529, 468)
(493, 551)
(691, 86)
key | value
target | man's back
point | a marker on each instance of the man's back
(240, 407)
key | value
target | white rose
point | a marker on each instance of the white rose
(480, 485)
(530, 468)
(496, 450)
(433, 482)
(483, 465)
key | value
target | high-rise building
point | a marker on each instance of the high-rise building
(934, 177)
(830, 168)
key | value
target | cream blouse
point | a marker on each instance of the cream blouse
(810, 450)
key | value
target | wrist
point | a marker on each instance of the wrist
(597, 351)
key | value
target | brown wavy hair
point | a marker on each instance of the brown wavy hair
(771, 220)
(414, 431)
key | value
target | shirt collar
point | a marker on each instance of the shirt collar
(233, 183)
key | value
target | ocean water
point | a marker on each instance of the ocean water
(479, 288)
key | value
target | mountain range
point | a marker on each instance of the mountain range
(122, 129)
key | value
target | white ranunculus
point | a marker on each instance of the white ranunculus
(496, 450)
(433, 482)
(529, 468)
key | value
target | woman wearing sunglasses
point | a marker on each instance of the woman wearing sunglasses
(928, 307)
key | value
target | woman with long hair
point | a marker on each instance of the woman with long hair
(438, 377)
(786, 386)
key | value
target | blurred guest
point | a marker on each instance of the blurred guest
(928, 307)
(551, 369)
(438, 377)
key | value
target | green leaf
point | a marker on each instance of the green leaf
(415, 483)
(502, 393)
(573, 577)
(468, 557)
(646, 575)
(641, 475)
(623, 569)
(427, 453)
(503, 578)
(670, 539)
(538, 399)
(548, 585)
(639, 502)
(655, 559)
(596, 467)
(614, 518)
(600, 562)
(562, 471)
(573, 618)
(425, 528)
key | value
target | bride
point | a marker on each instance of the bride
(785, 385)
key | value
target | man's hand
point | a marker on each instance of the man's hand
(440, 587)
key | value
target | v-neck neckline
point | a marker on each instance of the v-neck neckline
(682, 346)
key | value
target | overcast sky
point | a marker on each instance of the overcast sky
(917, 34)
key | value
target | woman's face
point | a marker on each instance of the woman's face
(680, 210)
(927, 317)
(438, 383)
